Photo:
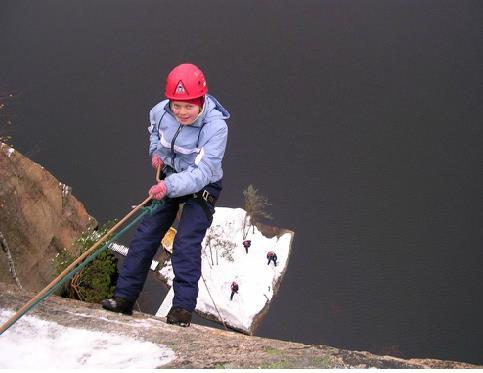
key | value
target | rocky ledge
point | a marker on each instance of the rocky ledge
(203, 347)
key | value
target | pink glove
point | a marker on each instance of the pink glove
(156, 161)
(158, 191)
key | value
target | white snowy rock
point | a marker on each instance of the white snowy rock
(38, 344)
(7, 149)
(225, 260)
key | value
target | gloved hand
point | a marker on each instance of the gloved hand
(158, 191)
(156, 161)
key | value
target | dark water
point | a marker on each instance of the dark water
(360, 120)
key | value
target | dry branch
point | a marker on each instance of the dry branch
(11, 263)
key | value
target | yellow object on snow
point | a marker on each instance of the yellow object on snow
(168, 239)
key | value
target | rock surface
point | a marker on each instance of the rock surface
(39, 216)
(203, 347)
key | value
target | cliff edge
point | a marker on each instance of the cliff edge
(193, 347)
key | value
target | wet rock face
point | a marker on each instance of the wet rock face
(39, 216)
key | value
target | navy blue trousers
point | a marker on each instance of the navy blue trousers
(186, 258)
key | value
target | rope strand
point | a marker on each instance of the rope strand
(83, 260)
(216, 308)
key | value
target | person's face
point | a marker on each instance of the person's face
(184, 112)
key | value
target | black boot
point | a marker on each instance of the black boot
(178, 316)
(120, 305)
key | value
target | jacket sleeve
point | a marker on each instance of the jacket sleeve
(206, 168)
(153, 133)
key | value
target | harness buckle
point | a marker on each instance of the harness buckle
(205, 195)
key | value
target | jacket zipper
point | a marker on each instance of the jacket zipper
(173, 154)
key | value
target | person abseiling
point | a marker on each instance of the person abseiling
(188, 137)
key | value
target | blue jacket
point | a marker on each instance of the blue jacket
(194, 151)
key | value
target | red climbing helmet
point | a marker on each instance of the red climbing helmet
(185, 82)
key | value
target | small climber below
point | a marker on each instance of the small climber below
(246, 245)
(271, 256)
(234, 289)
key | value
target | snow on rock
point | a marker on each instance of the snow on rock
(8, 150)
(55, 346)
(225, 260)
(65, 189)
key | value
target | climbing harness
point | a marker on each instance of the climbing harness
(203, 197)
(83, 260)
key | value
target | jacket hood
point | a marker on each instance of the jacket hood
(213, 109)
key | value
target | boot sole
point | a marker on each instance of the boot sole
(183, 324)
(115, 311)
(128, 313)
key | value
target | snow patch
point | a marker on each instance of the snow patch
(225, 260)
(65, 189)
(8, 151)
(40, 344)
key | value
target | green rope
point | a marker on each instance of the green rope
(146, 209)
